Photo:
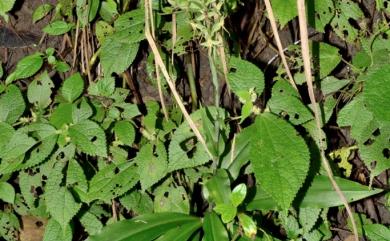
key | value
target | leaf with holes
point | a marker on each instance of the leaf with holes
(280, 158)
(89, 137)
(171, 198)
(39, 91)
(12, 105)
(152, 162)
(112, 181)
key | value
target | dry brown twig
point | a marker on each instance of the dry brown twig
(309, 81)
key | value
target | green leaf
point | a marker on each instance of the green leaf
(112, 181)
(17, 146)
(286, 103)
(89, 137)
(170, 198)
(39, 91)
(102, 30)
(72, 87)
(108, 10)
(152, 162)
(345, 12)
(143, 228)
(248, 225)
(26, 67)
(41, 11)
(61, 205)
(91, 223)
(238, 194)
(6, 132)
(377, 93)
(7, 192)
(104, 87)
(227, 211)
(329, 58)
(324, 12)
(330, 84)
(308, 218)
(320, 194)
(280, 158)
(284, 10)
(62, 115)
(6, 6)
(124, 132)
(377, 232)
(214, 230)
(180, 233)
(75, 176)
(57, 27)
(81, 111)
(53, 231)
(217, 188)
(12, 105)
(138, 202)
(244, 76)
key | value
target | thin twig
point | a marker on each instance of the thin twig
(309, 81)
(278, 42)
(171, 85)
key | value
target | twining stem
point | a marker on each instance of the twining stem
(309, 81)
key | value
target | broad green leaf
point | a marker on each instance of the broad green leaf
(214, 230)
(62, 115)
(131, 24)
(6, 132)
(53, 231)
(377, 232)
(286, 103)
(171, 198)
(102, 30)
(81, 111)
(227, 211)
(345, 12)
(7, 192)
(6, 6)
(58, 27)
(284, 10)
(280, 158)
(330, 84)
(89, 137)
(72, 87)
(143, 228)
(17, 146)
(39, 91)
(104, 87)
(183, 232)
(12, 105)
(41, 11)
(26, 67)
(91, 223)
(238, 194)
(324, 12)
(320, 194)
(75, 176)
(217, 188)
(27, 183)
(108, 10)
(308, 217)
(245, 76)
(61, 205)
(112, 181)
(40, 153)
(248, 225)
(138, 202)
(377, 93)
(124, 132)
(152, 162)
(329, 58)
(93, 9)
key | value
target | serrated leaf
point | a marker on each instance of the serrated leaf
(124, 132)
(244, 76)
(17, 146)
(331, 84)
(72, 87)
(288, 105)
(39, 91)
(238, 194)
(320, 194)
(377, 93)
(81, 111)
(329, 58)
(62, 115)
(152, 162)
(26, 67)
(138, 202)
(12, 105)
(91, 223)
(41, 11)
(324, 12)
(170, 198)
(308, 218)
(214, 230)
(61, 205)
(7, 192)
(104, 87)
(40, 153)
(284, 10)
(6, 132)
(227, 211)
(53, 231)
(58, 27)
(345, 12)
(89, 137)
(112, 181)
(75, 176)
(280, 158)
